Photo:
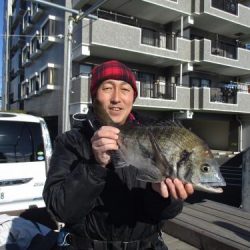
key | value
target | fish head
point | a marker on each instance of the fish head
(200, 168)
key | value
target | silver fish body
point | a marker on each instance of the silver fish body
(171, 151)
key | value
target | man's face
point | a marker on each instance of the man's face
(117, 99)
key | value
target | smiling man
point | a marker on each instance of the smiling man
(104, 207)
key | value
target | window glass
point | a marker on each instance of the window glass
(150, 37)
(147, 84)
(35, 44)
(48, 76)
(34, 83)
(26, 54)
(20, 142)
(48, 29)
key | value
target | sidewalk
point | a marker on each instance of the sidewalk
(176, 244)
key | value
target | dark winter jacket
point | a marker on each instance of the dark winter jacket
(101, 203)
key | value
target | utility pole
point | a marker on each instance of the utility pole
(74, 18)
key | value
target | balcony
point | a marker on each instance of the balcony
(240, 104)
(33, 93)
(157, 11)
(234, 24)
(47, 88)
(48, 35)
(26, 61)
(46, 43)
(182, 98)
(35, 50)
(27, 24)
(205, 59)
(125, 44)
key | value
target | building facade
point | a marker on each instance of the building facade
(35, 53)
(191, 59)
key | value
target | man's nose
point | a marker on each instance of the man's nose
(115, 95)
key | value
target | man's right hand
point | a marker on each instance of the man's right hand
(103, 141)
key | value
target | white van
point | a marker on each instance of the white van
(25, 151)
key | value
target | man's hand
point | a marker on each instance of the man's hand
(175, 188)
(103, 141)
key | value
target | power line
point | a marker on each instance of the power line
(30, 36)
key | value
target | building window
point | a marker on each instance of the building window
(48, 76)
(230, 6)
(48, 29)
(25, 89)
(146, 84)
(35, 44)
(150, 37)
(26, 20)
(26, 54)
(160, 89)
(199, 82)
(34, 83)
(85, 70)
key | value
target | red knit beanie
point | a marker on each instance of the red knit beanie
(111, 70)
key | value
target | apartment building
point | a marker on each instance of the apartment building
(34, 69)
(191, 59)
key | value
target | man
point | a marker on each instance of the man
(105, 207)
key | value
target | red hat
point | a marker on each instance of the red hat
(111, 70)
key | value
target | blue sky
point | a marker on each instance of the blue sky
(1, 42)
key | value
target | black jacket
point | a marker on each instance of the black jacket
(101, 203)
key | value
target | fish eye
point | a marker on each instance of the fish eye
(205, 168)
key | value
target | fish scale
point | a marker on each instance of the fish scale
(159, 151)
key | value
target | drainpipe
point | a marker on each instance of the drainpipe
(181, 71)
(181, 26)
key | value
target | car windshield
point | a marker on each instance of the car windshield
(20, 142)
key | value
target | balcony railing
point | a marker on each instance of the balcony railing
(116, 17)
(228, 92)
(158, 39)
(222, 48)
(157, 89)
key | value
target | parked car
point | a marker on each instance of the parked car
(25, 151)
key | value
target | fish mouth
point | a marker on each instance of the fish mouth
(209, 188)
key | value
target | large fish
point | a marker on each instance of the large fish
(167, 149)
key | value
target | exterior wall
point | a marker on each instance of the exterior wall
(185, 33)
(47, 104)
(127, 44)
(245, 133)
(5, 66)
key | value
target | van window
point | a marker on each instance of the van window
(21, 142)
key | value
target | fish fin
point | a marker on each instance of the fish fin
(160, 159)
(119, 157)
(118, 160)
(149, 173)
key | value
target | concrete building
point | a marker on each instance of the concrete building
(35, 59)
(191, 59)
